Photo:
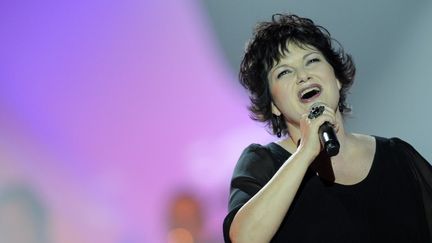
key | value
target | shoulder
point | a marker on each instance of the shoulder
(257, 162)
(392, 146)
(388, 143)
(406, 150)
(251, 154)
(253, 157)
(398, 145)
(404, 153)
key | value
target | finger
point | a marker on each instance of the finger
(327, 108)
(315, 123)
(330, 112)
(325, 117)
(318, 110)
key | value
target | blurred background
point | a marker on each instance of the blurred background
(121, 121)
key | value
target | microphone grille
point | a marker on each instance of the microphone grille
(317, 104)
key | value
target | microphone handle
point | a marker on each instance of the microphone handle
(328, 139)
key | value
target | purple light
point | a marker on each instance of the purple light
(113, 105)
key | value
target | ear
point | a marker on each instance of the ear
(275, 110)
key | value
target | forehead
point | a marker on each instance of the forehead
(290, 52)
(292, 49)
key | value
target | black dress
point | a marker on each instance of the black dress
(392, 204)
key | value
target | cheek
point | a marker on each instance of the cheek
(279, 95)
(275, 91)
(280, 90)
(283, 96)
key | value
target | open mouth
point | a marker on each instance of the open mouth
(310, 93)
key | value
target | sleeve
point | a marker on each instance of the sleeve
(422, 171)
(253, 170)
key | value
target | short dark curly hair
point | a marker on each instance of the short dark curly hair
(266, 48)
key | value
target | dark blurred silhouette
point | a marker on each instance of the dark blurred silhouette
(22, 216)
(186, 220)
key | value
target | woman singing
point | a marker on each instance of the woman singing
(372, 189)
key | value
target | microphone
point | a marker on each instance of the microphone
(328, 139)
(327, 136)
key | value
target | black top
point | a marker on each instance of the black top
(392, 204)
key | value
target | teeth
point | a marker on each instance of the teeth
(308, 90)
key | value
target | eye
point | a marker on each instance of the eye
(313, 60)
(284, 72)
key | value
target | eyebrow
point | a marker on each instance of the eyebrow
(310, 53)
(304, 57)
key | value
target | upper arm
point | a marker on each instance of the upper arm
(253, 170)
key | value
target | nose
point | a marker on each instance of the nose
(302, 76)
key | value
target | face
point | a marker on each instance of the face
(302, 77)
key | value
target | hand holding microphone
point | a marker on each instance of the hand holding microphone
(326, 132)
